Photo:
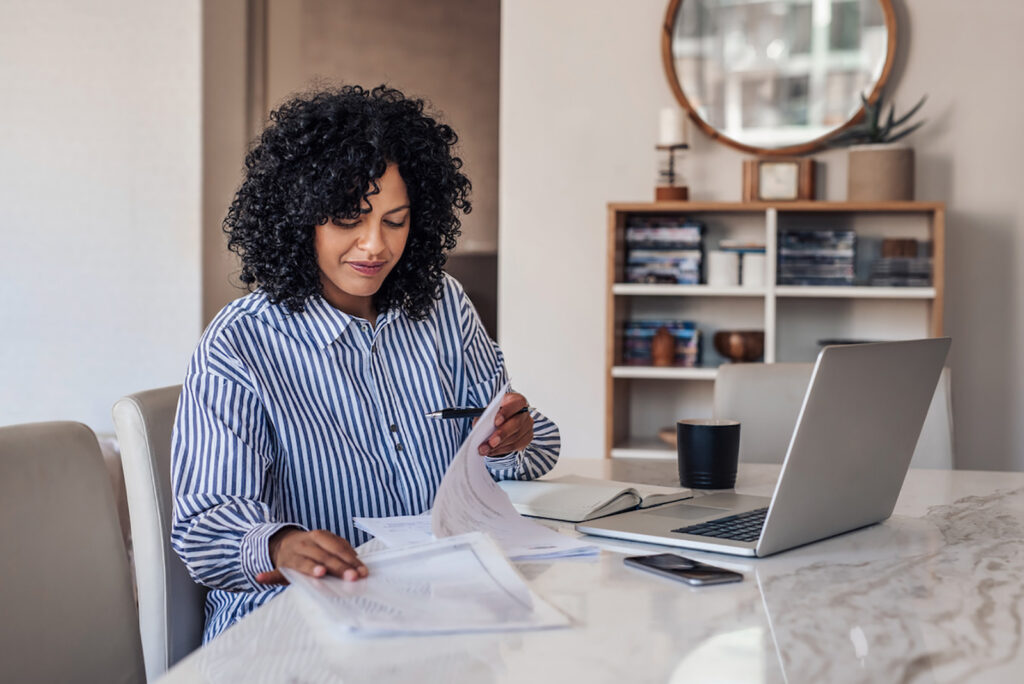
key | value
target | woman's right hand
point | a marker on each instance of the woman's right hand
(315, 553)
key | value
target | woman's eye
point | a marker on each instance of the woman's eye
(395, 224)
(346, 224)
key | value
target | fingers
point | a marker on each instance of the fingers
(317, 562)
(334, 554)
(272, 577)
(317, 553)
(514, 435)
(511, 403)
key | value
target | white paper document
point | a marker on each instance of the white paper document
(458, 584)
(415, 529)
(469, 500)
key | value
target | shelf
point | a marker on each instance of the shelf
(639, 398)
(640, 289)
(644, 448)
(855, 292)
(667, 373)
(797, 206)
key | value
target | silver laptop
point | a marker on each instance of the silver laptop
(847, 458)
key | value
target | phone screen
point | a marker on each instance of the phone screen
(683, 569)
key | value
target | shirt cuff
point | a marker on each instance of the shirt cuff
(255, 550)
(501, 463)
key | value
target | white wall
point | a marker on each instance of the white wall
(581, 85)
(99, 203)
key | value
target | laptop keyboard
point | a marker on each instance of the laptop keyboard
(745, 527)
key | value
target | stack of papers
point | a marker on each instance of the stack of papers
(458, 584)
(469, 500)
(447, 571)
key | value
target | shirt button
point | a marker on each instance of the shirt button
(366, 328)
(398, 447)
(393, 428)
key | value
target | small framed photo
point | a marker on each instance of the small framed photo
(778, 180)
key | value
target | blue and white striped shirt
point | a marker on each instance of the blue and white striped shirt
(312, 418)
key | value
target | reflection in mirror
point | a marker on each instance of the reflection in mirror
(778, 74)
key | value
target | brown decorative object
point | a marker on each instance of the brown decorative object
(880, 173)
(899, 247)
(740, 345)
(671, 193)
(668, 435)
(663, 348)
(670, 188)
(778, 180)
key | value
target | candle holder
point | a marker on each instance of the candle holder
(671, 184)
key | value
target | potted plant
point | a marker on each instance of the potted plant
(879, 169)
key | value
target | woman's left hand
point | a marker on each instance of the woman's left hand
(513, 431)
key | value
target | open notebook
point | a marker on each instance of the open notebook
(575, 499)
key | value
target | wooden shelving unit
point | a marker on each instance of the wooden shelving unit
(787, 313)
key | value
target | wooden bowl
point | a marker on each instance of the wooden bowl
(740, 345)
(668, 435)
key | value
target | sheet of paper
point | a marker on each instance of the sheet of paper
(397, 531)
(545, 544)
(458, 584)
(469, 500)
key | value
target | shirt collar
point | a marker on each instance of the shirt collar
(321, 324)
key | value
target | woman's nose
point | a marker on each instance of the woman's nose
(372, 238)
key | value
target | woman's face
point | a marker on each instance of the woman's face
(356, 255)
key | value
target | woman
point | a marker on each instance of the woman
(303, 405)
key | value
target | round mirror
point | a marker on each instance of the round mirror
(777, 76)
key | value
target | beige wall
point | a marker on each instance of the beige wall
(581, 86)
(99, 203)
(225, 141)
(445, 52)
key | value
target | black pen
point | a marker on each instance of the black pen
(466, 412)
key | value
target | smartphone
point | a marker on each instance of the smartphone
(692, 572)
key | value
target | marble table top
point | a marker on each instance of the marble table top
(934, 594)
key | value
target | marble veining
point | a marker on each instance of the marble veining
(948, 613)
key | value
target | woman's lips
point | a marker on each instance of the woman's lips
(367, 267)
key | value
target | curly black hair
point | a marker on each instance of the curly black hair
(318, 160)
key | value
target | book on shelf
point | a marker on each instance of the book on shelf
(574, 498)
(663, 249)
(741, 246)
(892, 262)
(817, 257)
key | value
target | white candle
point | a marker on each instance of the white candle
(672, 130)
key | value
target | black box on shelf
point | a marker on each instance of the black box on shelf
(816, 257)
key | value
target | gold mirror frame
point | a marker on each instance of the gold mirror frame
(668, 29)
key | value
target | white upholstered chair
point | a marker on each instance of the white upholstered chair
(171, 604)
(66, 602)
(766, 399)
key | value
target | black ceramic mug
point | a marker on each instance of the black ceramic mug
(708, 450)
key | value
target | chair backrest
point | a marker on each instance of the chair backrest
(66, 595)
(766, 399)
(171, 604)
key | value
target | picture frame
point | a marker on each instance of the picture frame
(778, 179)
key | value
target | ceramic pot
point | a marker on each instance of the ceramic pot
(880, 173)
(740, 345)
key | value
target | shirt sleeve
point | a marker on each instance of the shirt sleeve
(221, 455)
(487, 374)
